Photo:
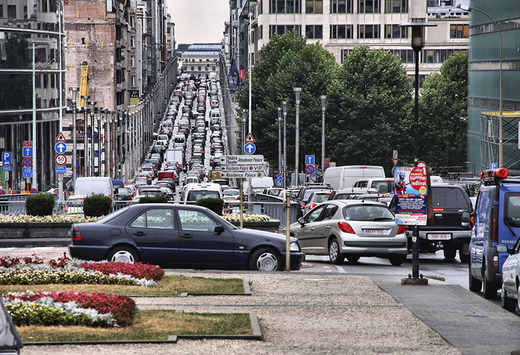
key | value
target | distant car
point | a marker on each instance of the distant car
(173, 235)
(231, 195)
(511, 277)
(124, 194)
(315, 198)
(351, 229)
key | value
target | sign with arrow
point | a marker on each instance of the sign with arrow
(250, 148)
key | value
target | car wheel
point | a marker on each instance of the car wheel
(475, 284)
(353, 258)
(123, 254)
(397, 260)
(334, 254)
(518, 300)
(488, 288)
(464, 253)
(265, 260)
(449, 252)
(507, 303)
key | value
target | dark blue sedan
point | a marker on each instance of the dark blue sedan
(180, 236)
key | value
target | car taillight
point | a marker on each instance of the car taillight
(312, 205)
(438, 209)
(402, 229)
(76, 234)
(345, 228)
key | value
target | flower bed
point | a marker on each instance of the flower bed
(235, 217)
(23, 218)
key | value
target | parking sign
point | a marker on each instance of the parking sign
(7, 158)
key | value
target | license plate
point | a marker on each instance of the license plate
(439, 236)
(376, 231)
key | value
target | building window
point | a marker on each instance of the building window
(394, 31)
(396, 6)
(200, 68)
(132, 41)
(11, 11)
(132, 61)
(132, 80)
(285, 7)
(283, 29)
(314, 31)
(313, 6)
(406, 55)
(192, 68)
(261, 32)
(368, 31)
(344, 53)
(369, 6)
(459, 31)
(340, 31)
(341, 6)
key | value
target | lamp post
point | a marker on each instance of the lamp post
(323, 99)
(500, 113)
(284, 109)
(243, 130)
(279, 109)
(75, 92)
(298, 94)
(85, 136)
(417, 44)
(250, 55)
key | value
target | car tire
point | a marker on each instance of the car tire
(123, 254)
(464, 253)
(397, 260)
(475, 285)
(517, 310)
(353, 258)
(507, 303)
(449, 252)
(265, 260)
(334, 252)
(488, 288)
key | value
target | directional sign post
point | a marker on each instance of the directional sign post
(241, 159)
(241, 174)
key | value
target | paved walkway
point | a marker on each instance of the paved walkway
(465, 319)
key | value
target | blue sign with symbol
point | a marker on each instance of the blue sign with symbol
(250, 148)
(60, 147)
(7, 168)
(279, 180)
(27, 152)
(7, 158)
(27, 172)
(310, 160)
(493, 165)
(61, 169)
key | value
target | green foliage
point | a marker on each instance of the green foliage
(153, 199)
(443, 116)
(40, 204)
(214, 204)
(97, 205)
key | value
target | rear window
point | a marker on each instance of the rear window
(197, 195)
(383, 187)
(367, 213)
(512, 210)
(447, 197)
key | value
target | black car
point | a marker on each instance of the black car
(180, 236)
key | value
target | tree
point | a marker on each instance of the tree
(443, 115)
(373, 110)
(287, 62)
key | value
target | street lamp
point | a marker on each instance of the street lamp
(298, 94)
(250, 54)
(417, 44)
(500, 113)
(279, 109)
(323, 99)
(284, 109)
(243, 132)
(75, 93)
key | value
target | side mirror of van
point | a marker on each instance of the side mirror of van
(501, 248)
(219, 229)
(465, 219)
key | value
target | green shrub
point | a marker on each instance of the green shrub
(97, 205)
(40, 204)
(153, 199)
(214, 204)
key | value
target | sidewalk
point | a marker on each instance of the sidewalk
(465, 319)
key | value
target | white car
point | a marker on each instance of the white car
(510, 278)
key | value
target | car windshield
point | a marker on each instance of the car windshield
(321, 197)
(112, 215)
(197, 195)
(367, 213)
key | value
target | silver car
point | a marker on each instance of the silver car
(510, 278)
(351, 229)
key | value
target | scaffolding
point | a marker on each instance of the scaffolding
(490, 142)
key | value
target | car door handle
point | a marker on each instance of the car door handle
(187, 236)
(140, 233)
(327, 227)
(311, 228)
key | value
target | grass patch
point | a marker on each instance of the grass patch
(149, 325)
(170, 285)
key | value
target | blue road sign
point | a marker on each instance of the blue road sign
(7, 168)
(27, 172)
(60, 147)
(7, 158)
(61, 169)
(493, 165)
(250, 148)
(279, 180)
(310, 160)
(27, 152)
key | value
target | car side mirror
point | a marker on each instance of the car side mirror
(301, 221)
(465, 219)
(501, 248)
(219, 229)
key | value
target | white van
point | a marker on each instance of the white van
(382, 185)
(88, 186)
(194, 192)
(342, 177)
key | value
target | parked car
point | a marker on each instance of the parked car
(231, 195)
(180, 236)
(315, 198)
(511, 277)
(351, 229)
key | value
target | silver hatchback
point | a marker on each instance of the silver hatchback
(351, 229)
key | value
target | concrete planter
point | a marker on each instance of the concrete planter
(34, 234)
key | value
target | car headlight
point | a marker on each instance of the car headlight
(295, 246)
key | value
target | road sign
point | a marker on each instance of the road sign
(310, 160)
(310, 169)
(242, 167)
(27, 162)
(60, 147)
(60, 159)
(7, 158)
(7, 168)
(241, 175)
(61, 137)
(279, 180)
(2, 192)
(250, 148)
(493, 165)
(27, 143)
(394, 154)
(395, 161)
(241, 159)
(61, 169)
(27, 152)
(249, 138)
(34, 191)
(27, 172)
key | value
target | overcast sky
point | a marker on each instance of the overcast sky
(198, 20)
